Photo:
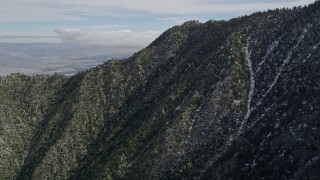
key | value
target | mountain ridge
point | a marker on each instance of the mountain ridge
(222, 99)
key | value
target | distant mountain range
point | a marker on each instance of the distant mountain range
(237, 99)
(49, 58)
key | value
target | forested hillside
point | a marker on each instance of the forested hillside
(237, 99)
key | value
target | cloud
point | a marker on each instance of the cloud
(28, 38)
(186, 6)
(178, 20)
(68, 34)
(113, 39)
(34, 11)
(24, 36)
(109, 17)
(108, 27)
(71, 10)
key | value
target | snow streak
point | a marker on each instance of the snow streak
(235, 136)
(252, 85)
(285, 62)
(307, 165)
(220, 151)
(269, 51)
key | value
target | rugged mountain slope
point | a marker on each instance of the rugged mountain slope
(235, 99)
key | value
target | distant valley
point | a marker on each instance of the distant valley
(50, 58)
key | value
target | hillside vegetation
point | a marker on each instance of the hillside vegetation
(237, 99)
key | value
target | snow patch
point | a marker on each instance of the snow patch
(269, 134)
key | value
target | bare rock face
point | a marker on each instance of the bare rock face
(236, 99)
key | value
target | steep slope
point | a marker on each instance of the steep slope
(24, 100)
(235, 99)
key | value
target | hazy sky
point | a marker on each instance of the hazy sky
(118, 23)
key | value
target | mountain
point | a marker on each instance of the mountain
(237, 99)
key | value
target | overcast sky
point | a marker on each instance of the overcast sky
(118, 23)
